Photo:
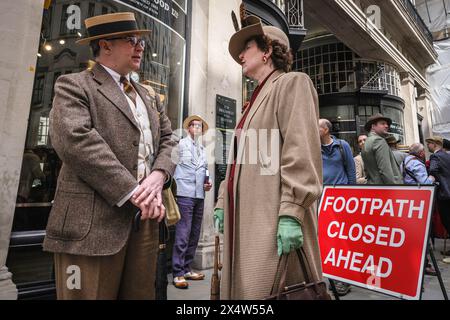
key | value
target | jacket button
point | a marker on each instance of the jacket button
(136, 143)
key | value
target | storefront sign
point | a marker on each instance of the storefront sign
(164, 10)
(225, 125)
(376, 237)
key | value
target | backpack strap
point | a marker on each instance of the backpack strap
(344, 158)
(408, 172)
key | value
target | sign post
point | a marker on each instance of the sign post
(376, 237)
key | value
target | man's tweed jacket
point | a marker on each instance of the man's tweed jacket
(95, 134)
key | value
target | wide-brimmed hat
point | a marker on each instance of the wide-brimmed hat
(188, 120)
(111, 25)
(374, 119)
(436, 140)
(252, 26)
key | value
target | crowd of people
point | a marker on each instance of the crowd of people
(380, 162)
(116, 144)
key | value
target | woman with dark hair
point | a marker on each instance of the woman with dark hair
(275, 178)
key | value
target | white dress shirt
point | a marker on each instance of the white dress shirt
(146, 149)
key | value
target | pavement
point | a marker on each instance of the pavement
(200, 290)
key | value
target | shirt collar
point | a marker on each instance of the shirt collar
(116, 76)
(193, 142)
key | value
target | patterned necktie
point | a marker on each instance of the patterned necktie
(129, 89)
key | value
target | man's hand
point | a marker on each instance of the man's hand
(151, 212)
(150, 189)
(207, 186)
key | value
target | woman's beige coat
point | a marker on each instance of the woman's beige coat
(283, 179)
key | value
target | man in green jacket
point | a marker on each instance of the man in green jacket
(379, 161)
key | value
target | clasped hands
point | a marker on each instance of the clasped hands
(148, 197)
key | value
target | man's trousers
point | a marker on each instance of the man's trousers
(128, 275)
(187, 234)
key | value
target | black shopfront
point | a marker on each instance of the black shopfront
(164, 65)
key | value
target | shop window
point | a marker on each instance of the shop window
(397, 127)
(342, 118)
(42, 138)
(64, 30)
(91, 10)
(38, 90)
(56, 75)
(163, 65)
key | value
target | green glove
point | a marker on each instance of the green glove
(289, 236)
(218, 220)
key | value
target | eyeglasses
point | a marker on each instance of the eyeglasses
(134, 41)
(195, 125)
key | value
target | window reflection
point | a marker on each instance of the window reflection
(58, 54)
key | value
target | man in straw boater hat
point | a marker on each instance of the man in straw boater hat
(192, 180)
(115, 144)
(379, 161)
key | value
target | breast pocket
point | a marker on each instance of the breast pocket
(72, 213)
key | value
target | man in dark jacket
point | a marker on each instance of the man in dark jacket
(440, 170)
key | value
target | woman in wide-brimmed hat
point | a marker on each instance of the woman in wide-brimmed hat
(269, 205)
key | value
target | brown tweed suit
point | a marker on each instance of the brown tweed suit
(95, 134)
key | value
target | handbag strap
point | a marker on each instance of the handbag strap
(304, 265)
(282, 261)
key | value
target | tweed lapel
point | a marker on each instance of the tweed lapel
(152, 111)
(112, 92)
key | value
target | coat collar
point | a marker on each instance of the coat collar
(110, 89)
(262, 96)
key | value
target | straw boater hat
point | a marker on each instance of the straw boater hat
(436, 140)
(252, 26)
(111, 25)
(374, 119)
(193, 118)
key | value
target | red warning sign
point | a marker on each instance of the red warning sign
(376, 237)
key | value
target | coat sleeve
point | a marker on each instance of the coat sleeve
(382, 157)
(300, 159)
(419, 171)
(350, 169)
(81, 147)
(434, 166)
(164, 161)
(360, 174)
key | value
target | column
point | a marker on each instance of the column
(213, 72)
(424, 103)
(20, 22)
(408, 94)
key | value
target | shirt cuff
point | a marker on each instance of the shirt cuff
(127, 197)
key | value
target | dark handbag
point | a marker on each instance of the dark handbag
(308, 290)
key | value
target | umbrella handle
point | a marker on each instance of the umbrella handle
(137, 221)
